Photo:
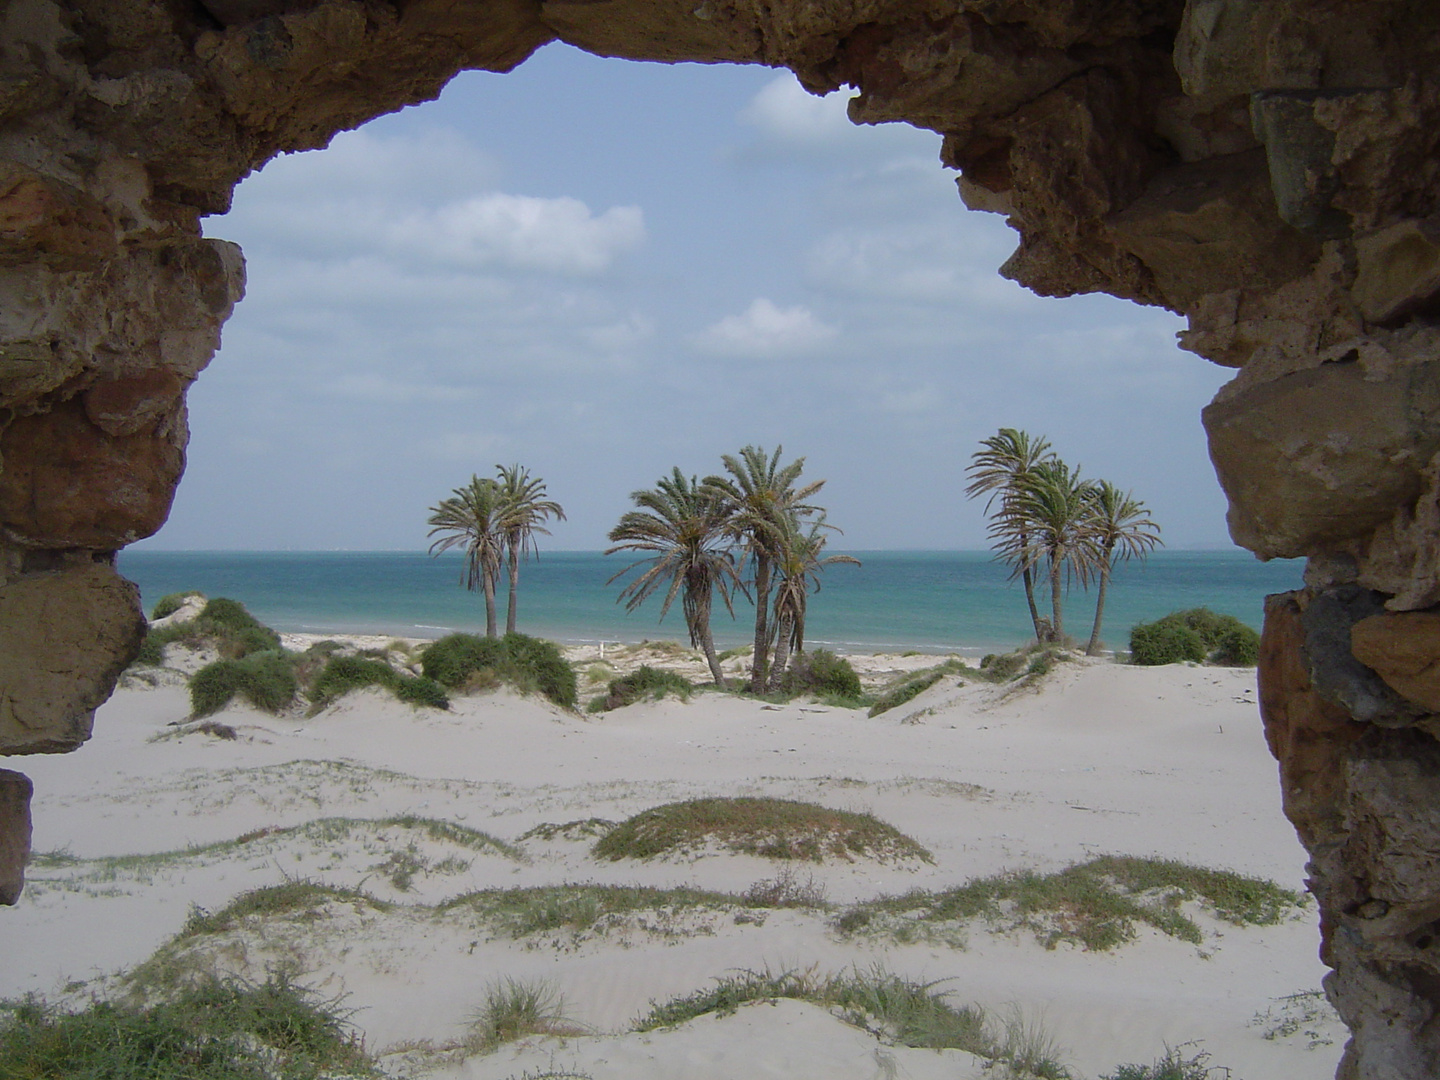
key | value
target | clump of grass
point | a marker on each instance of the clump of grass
(770, 828)
(216, 1030)
(823, 674)
(786, 890)
(265, 679)
(528, 664)
(898, 1010)
(739, 650)
(342, 674)
(569, 830)
(1197, 635)
(914, 684)
(646, 683)
(171, 603)
(514, 1009)
(1173, 1066)
(1095, 905)
(300, 899)
(539, 909)
(223, 624)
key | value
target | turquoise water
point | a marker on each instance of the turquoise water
(933, 601)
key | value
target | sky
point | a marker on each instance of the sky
(602, 269)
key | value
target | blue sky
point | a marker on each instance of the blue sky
(601, 269)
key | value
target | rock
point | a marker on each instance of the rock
(15, 792)
(1404, 649)
(1398, 270)
(1320, 457)
(66, 632)
(1341, 676)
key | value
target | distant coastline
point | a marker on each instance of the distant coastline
(926, 601)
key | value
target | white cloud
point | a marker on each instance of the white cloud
(783, 110)
(766, 331)
(521, 231)
(621, 336)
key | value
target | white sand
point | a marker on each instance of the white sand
(1102, 760)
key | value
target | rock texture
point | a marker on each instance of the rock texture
(1268, 168)
(15, 791)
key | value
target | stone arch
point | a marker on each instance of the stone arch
(1268, 169)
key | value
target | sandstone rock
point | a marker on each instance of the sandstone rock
(15, 792)
(43, 219)
(1404, 649)
(66, 633)
(1320, 457)
(68, 483)
(1398, 270)
(1335, 672)
(1298, 149)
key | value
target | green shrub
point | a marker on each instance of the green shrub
(1003, 667)
(266, 680)
(822, 673)
(1165, 643)
(171, 603)
(1197, 635)
(341, 674)
(418, 690)
(646, 682)
(529, 664)
(1237, 647)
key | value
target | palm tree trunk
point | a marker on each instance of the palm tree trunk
(1093, 648)
(1029, 581)
(759, 661)
(784, 628)
(697, 613)
(1059, 628)
(489, 585)
(514, 589)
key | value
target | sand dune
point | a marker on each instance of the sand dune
(416, 807)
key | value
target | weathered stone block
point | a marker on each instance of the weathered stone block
(68, 483)
(1404, 649)
(1319, 457)
(1398, 270)
(65, 636)
(1335, 672)
(15, 791)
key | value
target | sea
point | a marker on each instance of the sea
(895, 601)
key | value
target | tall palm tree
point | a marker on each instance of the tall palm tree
(798, 574)
(1001, 468)
(471, 518)
(523, 508)
(1120, 527)
(761, 499)
(1052, 510)
(683, 524)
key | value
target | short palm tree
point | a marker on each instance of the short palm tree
(471, 518)
(1051, 512)
(523, 508)
(797, 575)
(1120, 528)
(762, 501)
(1001, 468)
(683, 525)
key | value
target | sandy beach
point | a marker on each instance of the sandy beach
(154, 823)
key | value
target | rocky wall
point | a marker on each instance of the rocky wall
(1268, 168)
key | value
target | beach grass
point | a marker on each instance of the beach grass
(897, 1010)
(645, 683)
(467, 662)
(518, 913)
(1095, 905)
(516, 1009)
(216, 1030)
(769, 828)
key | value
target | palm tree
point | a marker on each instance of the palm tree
(798, 571)
(523, 508)
(761, 500)
(1120, 527)
(1001, 468)
(1051, 511)
(471, 518)
(683, 524)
